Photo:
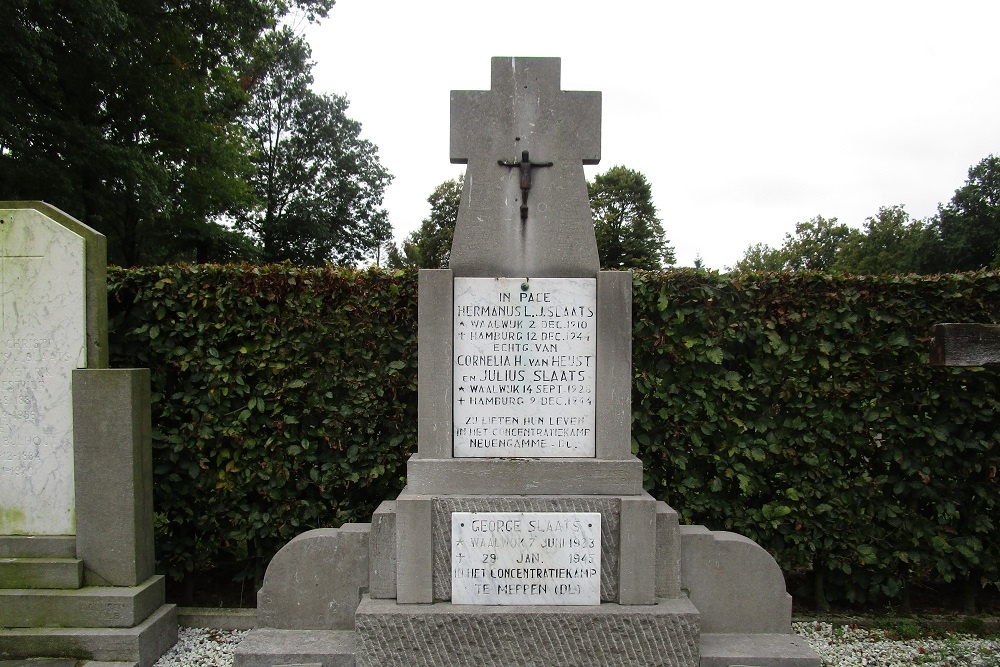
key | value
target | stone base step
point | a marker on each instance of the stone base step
(759, 650)
(141, 645)
(89, 607)
(41, 573)
(266, 647)
(38, 546)
(608, 635)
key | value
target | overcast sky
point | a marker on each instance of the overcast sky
(746, 117)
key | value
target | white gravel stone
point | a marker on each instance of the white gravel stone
(202, 647)
(859, 647)
(837, 646)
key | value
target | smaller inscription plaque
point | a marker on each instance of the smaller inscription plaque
(526, 558)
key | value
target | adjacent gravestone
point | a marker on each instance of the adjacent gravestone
(524, 535)
(76, 539)
(42, 339)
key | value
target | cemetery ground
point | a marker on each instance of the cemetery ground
(934, 632)
(841, 640)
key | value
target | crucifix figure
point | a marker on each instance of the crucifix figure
(525, 113)
(524, 166)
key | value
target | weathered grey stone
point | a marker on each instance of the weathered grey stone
(41, 573)
(220, 619)
(614, 365)
(141, 644)
(114, 475)
(434, 351)
(638, 550)
(608, 506)
(668, 552)
(95, 432)
(525, 110)
(90, 607)
(96, 277)
(37, 546)
(759, 650)
(268, 647)
(382, 552)
(414, 550)
(314, 582)
(609, 635)
(734, 583)
(498, 477)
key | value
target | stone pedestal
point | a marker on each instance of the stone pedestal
(94, 596)
(608, 635)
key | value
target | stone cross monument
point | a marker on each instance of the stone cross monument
(524, 535)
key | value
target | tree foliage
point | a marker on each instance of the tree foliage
(318, 185)
(813, 247)
(969, 224)
(126, 114)
(963, 236)
(429, 246)
(629, 234)
(891, 243)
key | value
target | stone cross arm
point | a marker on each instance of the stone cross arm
(966, 345)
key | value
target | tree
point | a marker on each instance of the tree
(318, 184)
(969, 225)
(125, 114)
(629, 235)
(429, 247)
(891, 243)
(815, 246)
(760, 258)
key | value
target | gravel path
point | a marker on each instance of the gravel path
(858, 647)
(839, 647)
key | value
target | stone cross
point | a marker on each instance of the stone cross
(498, 232)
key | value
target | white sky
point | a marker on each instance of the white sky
(745, 116)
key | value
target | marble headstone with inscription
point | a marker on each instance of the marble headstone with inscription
(43, 324)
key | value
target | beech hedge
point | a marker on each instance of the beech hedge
(798, 409)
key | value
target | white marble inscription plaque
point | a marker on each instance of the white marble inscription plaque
(526, 558)
(42, 339)
(524, 366)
